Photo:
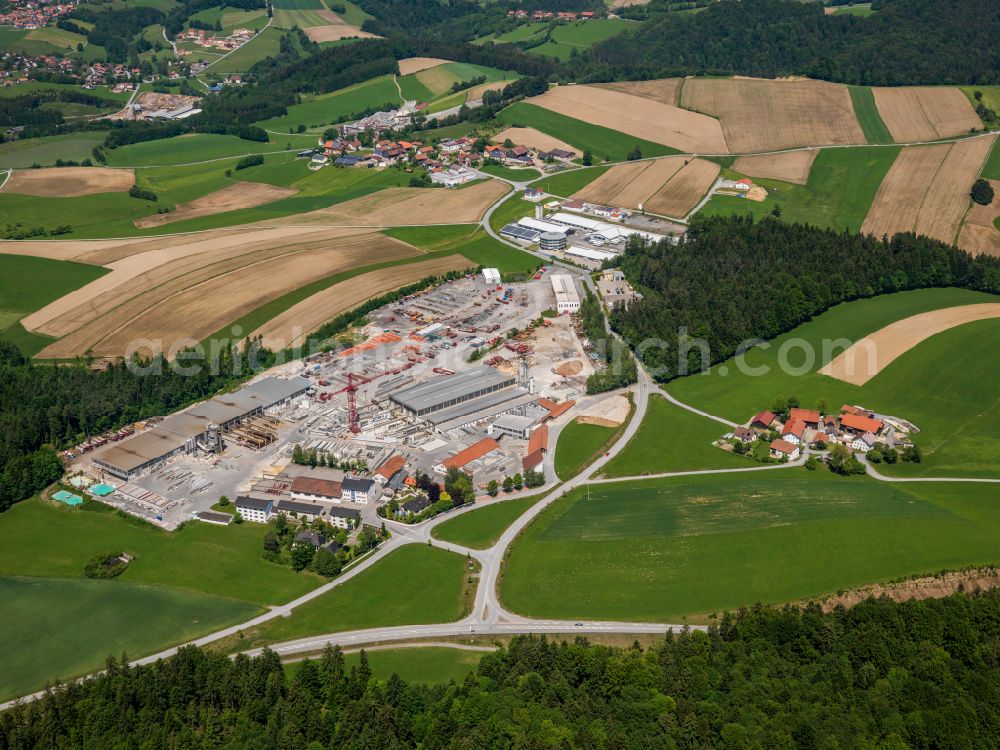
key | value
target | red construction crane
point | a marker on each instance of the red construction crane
(353, 381)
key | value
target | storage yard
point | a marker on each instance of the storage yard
(468, 375)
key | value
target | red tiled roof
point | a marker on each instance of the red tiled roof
(783, 446)
(538, 440)
(391, 466)
(806, 415)
(861, 424)
(555, 410)
(848, 409)
(532, 460)
(316, 486)
(765, 418)
(794, 427)
(474, 451)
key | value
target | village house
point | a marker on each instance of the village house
(765, 421)
(783, 449)
(389, 469)
(794, 431)
(745, 435)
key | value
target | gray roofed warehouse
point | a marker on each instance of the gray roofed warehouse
(448, 390)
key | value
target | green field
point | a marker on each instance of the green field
(840, 190)
(564, 184)
(20, 40)
(28, 284)
(297, 5)
(304, 19)
(32, 86)
(604, 143)
(22, 154)
(863, 101)
(431, 665)
(512, 209)
(265, 44)
(672, 439)
(579, 446)
(470, 241)
(63, 628)
(413, 585)
(991, 169)
(946, 385)
(510, 173)
(482, 527)
(427, 85)
(861, 9)
(186, 149)
(520, 34)
(318, 112)
(581, 35)
(39, 538)
(661, 550)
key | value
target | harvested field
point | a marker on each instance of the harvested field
(637, 116)
(627, 3)
(137, 268)
(766, 115)
(665, 90)
(69, 182)
(683, 191)
(927, 189)
(476, 92)
(792, 166)
(947, 199)
(335, 28)
(628, 185)
(924, 113)
(231, 198)
(533, 138)
(416, 64)
(292, 326)
(59, 250)
(197, 304)
(408, 207)
(979, 232)
(867, 357)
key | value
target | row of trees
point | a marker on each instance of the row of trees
(733, 280)
(879, 676)
(619, 367)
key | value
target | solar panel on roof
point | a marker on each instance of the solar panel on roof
(519, 232)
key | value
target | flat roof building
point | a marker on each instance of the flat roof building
(450, 390)
(567, 298)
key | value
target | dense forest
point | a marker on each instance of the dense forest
(905, 42)
(733, 279)
(42, 406)
(880, 676)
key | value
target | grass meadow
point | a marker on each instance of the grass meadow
(265, 44)
(991, 169)
(579, 446)
(863, 101)
(672, 439)
(564, 184)
(840, 190)
(580, 36)
(946, 385)
(430, 665)
(318, 112)
(22, 154)
(414, 585)
(605, 144)
(482, 527)
(186, 149)
(671, 549)
(512, 209)
(64, 628)
(28, 284)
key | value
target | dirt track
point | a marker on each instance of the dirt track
(236, 196)
(292, 326)
(766, 115)
(924, 113)
(69, 182)
(407, 206)
(867, 357)
(792, 166)
(979, 232)
(636, 116)
(416, 64)
(533, 138)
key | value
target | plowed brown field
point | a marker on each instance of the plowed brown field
(924, 113)
(69, 182)
(335, 28)
(292, 326)
(663, 90)
(533, 138)
(416, 64)
(766, 115)
(791, 166)
(683, 191)
(636, 116)
(236, 196)
(628, 185)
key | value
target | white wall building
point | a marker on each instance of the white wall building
(254, 509)
(358, 490)
(567, 298)
(491, 276)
